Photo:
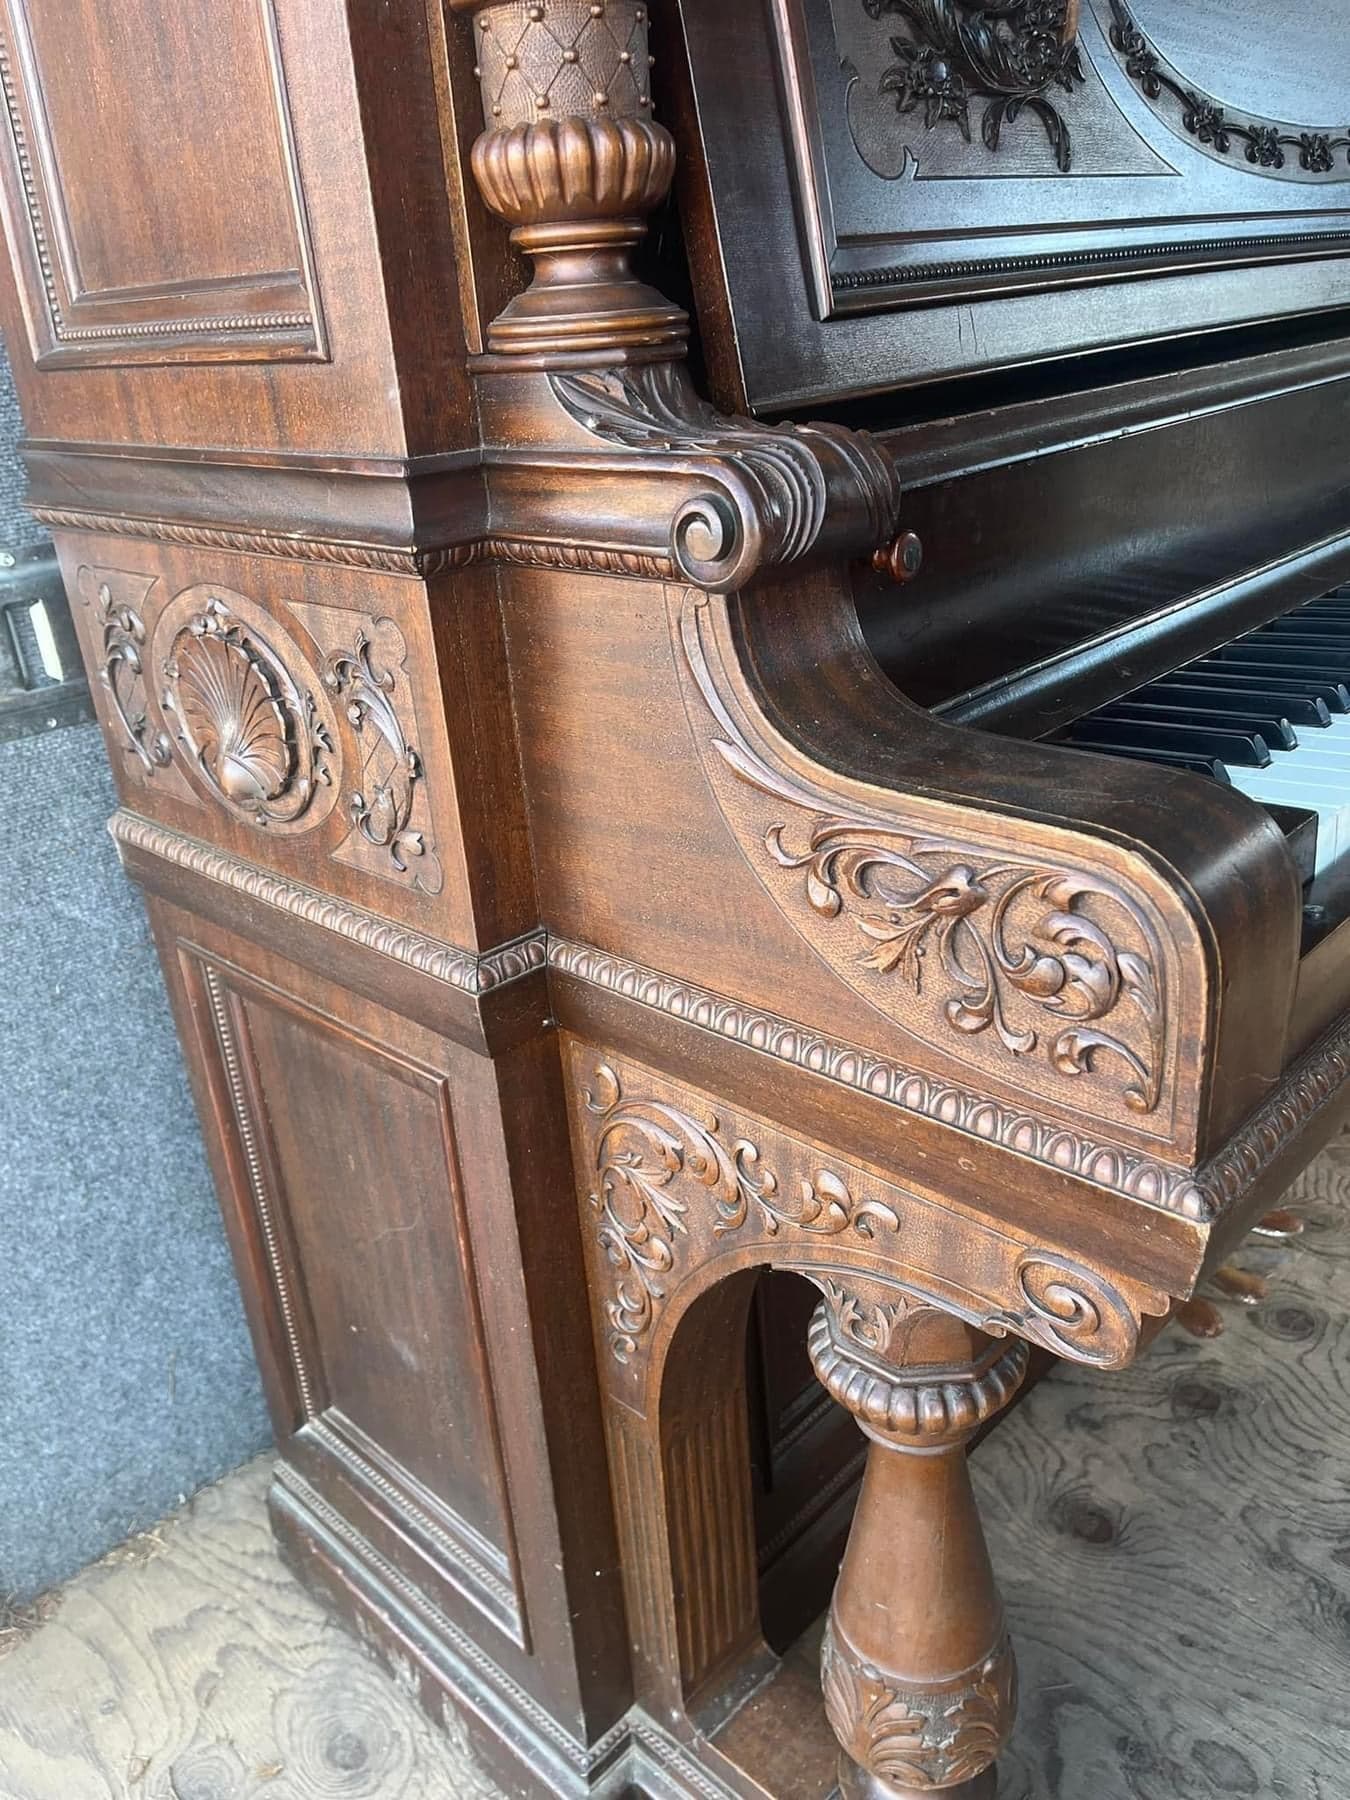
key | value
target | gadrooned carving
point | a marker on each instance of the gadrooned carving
(381, 809)
(1012, 54)
(926, 1739)
(258, 742)
(928, 1410)
(1107, 1165)
(1267, 146)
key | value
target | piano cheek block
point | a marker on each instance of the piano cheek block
(604, 896)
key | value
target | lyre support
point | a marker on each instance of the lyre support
(918, 1673)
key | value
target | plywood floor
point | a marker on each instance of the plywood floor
(1174, 1545)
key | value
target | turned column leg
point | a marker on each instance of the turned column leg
(918, 1673)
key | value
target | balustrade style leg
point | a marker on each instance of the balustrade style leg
(918, 1673)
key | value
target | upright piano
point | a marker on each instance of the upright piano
(725, 640)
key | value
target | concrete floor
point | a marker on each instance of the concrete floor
(1174, 1545)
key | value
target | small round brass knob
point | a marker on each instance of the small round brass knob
(901, 559)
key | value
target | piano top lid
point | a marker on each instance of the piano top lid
(865, 215)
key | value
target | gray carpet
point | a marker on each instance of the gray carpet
(126, 1377)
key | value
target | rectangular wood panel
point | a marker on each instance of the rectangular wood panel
(354, 1204)
(143, 271)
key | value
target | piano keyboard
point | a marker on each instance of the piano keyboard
(1268, 713)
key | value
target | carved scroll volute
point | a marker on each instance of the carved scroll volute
(574, 160)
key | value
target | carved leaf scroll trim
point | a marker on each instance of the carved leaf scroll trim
(380, 810)
(1265, 144)
(652, 1157)
(995, 929)
(123, 677)
(645, 1150)
(1012, 54)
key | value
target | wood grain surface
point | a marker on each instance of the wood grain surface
(1173, 1544)
(195, 1668)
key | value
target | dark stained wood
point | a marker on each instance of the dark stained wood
(605, 854)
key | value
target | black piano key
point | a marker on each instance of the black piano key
(1289, 668)
(1317, 684)
(1324, 625)
(1277, 732)
(1247, 749)
(1329, 607)
(1171, 759)
(1334, 648)
(1236, 693)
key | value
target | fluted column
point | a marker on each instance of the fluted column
(918, 1673)
(574, 160)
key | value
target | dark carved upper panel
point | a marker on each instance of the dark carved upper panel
(925, 152)
(141, 270)
(1268, 146)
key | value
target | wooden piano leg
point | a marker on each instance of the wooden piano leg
(918, 1672)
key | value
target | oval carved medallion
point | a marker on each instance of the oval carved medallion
(261, 745)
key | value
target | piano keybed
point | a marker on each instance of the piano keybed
(1268, 714)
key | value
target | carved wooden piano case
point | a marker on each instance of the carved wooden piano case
(593, 866)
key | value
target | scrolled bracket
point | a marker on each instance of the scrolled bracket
(764, 496)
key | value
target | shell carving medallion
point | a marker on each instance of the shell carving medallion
(262, 745)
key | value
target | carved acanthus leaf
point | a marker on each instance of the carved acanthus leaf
(925, 1739)
(122, 673)
(776, 494)
(381, 809)
(650, 1159)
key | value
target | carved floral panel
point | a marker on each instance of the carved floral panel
(677, 1189)
(1046, 975)
(386, 801)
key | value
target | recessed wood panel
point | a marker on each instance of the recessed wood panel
(349, 1150)
(144, 270)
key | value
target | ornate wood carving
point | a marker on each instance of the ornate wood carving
(1062, 970)
(996, 930)
(926, 1739)
(461, 969)
(122, 672)
(574, 161)
(258, 741)
(677, 1188)
(916, 1592)
(646, 1152)
(1267, 147)
(591, 559)
(1040, 1140)
(778, 494)
(1011, 54)
(382, 808)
